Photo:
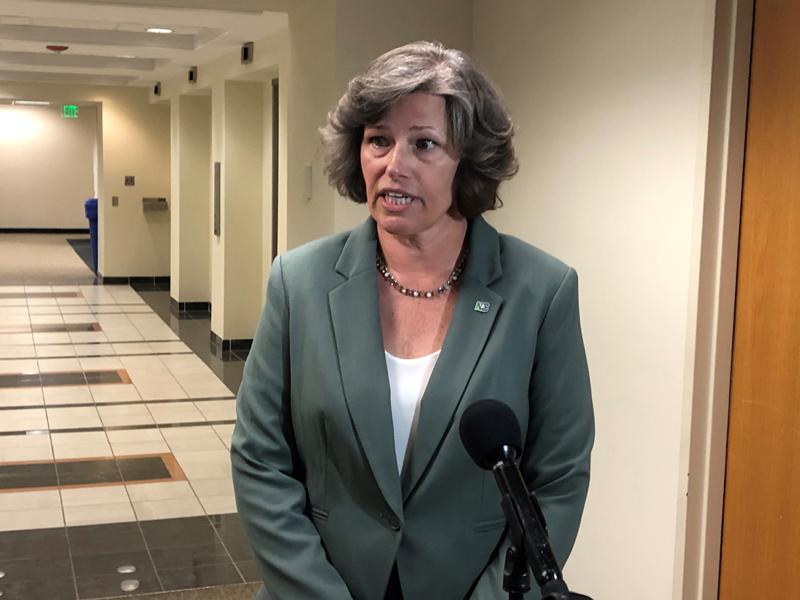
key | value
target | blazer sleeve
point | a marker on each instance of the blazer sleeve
(270, 495)
(560, 433)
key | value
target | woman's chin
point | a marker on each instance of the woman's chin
(394, 226)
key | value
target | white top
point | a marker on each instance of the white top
(408, 378)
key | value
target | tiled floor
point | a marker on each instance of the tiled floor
(115, 426)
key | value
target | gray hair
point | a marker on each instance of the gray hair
(479, 128)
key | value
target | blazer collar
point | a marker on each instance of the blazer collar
(357, 333)
(483, 264)
(358, 253)
(359, 344)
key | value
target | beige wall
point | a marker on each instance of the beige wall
(190, 221)
(46, 166)
(611, 106)
(308, 80)
(135, 141)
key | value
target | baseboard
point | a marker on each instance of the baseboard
(183, 307)
(137, 282)
(221, 348)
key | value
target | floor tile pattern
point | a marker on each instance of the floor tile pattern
(84, 561)
(115, 424)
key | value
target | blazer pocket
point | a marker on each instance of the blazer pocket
(318, 513)
(490, 525)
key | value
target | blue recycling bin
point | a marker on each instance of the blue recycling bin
(90, 207)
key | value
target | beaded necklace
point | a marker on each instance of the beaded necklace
(383, 269)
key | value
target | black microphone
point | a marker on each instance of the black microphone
(491, 436)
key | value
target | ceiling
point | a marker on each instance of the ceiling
(109, 43)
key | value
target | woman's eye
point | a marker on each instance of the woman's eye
(378, 141)
(425, 144)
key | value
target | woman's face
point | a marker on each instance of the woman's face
(409, 167)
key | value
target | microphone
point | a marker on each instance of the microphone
(491, 436)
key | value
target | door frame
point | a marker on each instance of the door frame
(709, 358)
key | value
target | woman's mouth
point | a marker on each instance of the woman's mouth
(397, 199)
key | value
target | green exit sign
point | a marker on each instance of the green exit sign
(69, 111)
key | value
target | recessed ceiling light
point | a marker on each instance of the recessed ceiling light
(159, 30)
(31, 102)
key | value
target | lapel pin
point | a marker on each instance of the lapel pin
(482, 306)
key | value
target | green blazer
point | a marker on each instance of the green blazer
(314, 471)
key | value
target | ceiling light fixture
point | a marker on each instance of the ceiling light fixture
(159, 30)
(31, 102)
(125, 56)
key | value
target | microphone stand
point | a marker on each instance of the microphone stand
(528, 533)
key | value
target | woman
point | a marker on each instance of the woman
(350, 477)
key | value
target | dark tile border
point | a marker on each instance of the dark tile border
(41, 230)
(125, 403)
(120, 427)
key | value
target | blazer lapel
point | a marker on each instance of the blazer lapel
(475, 313)
(359, 346)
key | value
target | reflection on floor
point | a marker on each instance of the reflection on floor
(115, 425)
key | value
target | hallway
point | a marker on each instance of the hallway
(114, 436)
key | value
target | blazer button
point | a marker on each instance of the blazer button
(390, 522)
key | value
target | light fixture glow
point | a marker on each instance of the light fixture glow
(30, 102)
(18, 126)
(159, 30)
(125, 56)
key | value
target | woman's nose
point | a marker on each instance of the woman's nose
(397, 166)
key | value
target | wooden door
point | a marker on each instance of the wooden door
(761, 524)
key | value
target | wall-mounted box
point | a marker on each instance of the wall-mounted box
(217, 199)
(246, 54)
(149, 204)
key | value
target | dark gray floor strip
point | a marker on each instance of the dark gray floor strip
(20, 295)
(126, 403)
(82, 472)
(17, 380)
(120, 427)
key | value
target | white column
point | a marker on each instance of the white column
(191, 197)
(236, 255)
